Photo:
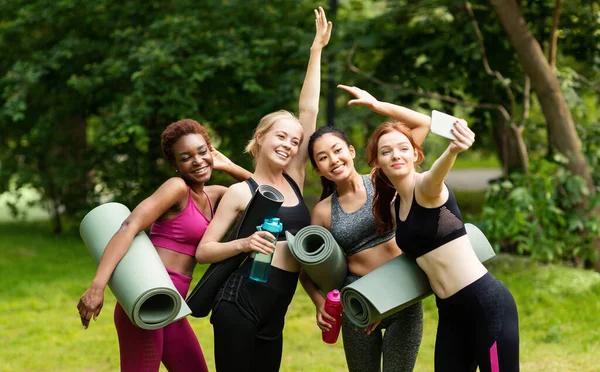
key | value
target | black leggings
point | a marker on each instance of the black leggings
(248, 319)
(478, 326)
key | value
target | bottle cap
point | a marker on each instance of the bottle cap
(334, 296)
(272, 225)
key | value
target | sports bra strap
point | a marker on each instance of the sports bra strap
(294, 185)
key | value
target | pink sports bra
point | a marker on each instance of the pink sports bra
(182, 233)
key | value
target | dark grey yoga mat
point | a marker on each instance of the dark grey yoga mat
(264, 204)
(397, 284)
(320, 256)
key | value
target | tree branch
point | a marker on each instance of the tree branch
(586, 81)
(486, 106)
(554, 34)
(526, 100)
(486, 64)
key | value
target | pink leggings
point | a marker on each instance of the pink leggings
(175, 345)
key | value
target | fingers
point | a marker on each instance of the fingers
(258, 243)
(323, 325)
(355, 91)
(97, 312)
(85, 319)
(323, 17)
(464, 136)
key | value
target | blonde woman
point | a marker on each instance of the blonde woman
(248, 316)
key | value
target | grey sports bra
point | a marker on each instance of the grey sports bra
(356, 231)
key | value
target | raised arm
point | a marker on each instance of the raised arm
(432, 182)
(223, 164)
(418, 123)
(148, 211)
(210, 249)
(309, 96)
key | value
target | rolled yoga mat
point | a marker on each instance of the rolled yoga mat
(320, 256)
(397, 284)
(140, 281)
(264, 204)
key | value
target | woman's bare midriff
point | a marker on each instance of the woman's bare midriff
(179, 262)
(364, 262)
(451, 267)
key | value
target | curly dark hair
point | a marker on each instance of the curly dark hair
(177, 130)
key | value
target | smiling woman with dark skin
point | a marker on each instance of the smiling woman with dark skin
(179, 211)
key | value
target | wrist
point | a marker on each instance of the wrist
(375, 106)
(316, 49)
(225, 166)
(98, 285)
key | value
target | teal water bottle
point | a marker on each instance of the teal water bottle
(262, 262)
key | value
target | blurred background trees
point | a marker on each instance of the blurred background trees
(87, 88)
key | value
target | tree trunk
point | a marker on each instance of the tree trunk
(563, 136)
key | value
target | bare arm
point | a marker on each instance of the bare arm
(309, 96)
(432, 182)
(418, 123)
(210, 249)
(223, 164)
(148, 211)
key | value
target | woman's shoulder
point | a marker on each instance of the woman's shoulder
(321, 213)
(175, 185)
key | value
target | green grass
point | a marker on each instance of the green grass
(43, 277)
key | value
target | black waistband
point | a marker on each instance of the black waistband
(279, 280)
(462, 297)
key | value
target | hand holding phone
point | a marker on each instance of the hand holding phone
(442, 124)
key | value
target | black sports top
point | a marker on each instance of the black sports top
(292, 218)
(426, 229)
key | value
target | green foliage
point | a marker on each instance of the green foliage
(88, 87)
(542, 214)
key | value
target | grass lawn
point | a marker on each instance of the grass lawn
(44, 275)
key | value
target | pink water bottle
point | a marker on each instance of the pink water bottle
(333, 307)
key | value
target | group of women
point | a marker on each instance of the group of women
(374, 218)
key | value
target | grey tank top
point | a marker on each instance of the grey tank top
(356, 231)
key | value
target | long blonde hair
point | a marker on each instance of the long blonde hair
(264, 126)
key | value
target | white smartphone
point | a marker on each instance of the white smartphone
(441, 124)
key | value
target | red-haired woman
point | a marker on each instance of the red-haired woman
(179, 211)
(478, 320)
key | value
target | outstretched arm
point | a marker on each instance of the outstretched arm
(309, 96)
(418, 123)
(432, 182)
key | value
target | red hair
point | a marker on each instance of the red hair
(384, 190)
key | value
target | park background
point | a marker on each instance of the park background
(86, 88)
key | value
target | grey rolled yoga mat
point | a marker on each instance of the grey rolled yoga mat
(320, 256)
(140, 281)
(397, 284)
(264, 204)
